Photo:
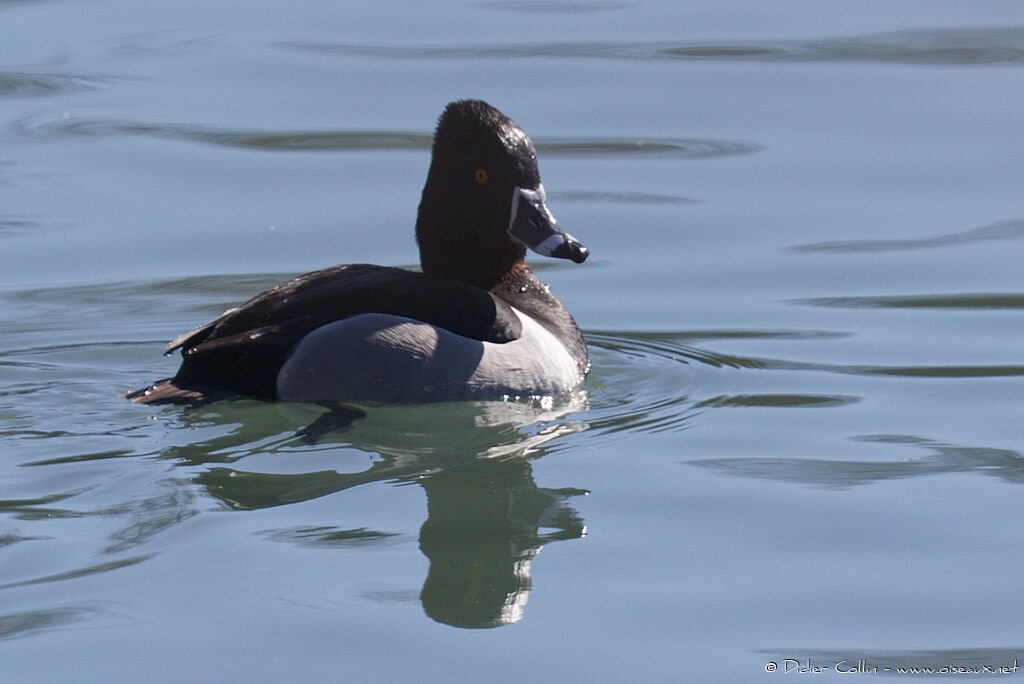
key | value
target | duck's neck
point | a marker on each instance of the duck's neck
(458, 252)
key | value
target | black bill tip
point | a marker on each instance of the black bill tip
(571, 250)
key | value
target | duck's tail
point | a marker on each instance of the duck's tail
(166, 392)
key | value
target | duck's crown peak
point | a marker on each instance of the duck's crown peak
(476, 125)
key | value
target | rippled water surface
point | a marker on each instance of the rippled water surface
(800, 443)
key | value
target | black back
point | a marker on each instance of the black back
(243, 350)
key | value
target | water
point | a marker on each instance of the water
(800, 444)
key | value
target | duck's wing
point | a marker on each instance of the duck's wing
(243, 350)
(332, 294)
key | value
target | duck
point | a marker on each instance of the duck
(474, 323)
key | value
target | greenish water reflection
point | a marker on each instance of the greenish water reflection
(486, 517)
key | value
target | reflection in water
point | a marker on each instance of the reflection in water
(486, 517)
(955, 46)
(1005, 464)
(1007, 230)
(149, 516)
(481, 535)
(142, 518)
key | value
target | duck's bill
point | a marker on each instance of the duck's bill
(534, 226)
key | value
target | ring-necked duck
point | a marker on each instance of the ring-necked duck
(475, 324)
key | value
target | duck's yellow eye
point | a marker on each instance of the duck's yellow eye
(480, 176)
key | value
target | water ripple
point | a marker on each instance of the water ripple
(81, 572)
(958, 46)
(650, 381)
(946, 47)
(950, 371)
(11, 538)
(13, 625)
(618, 197)
(361, 140)
(661, 356)
(663, 345)
(779, 400)
(978, 371)
(690, 148)
(16, 227)
(265, 140)
(33, 506)
(544, 7)
(329, 536)
(20, 84)
(1006, 230)
(942, 457)
(979, 300)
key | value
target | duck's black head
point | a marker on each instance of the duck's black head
(483, 202)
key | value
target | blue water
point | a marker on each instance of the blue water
(800, 443)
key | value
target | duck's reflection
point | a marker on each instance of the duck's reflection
(486, 517)
(481, 534)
